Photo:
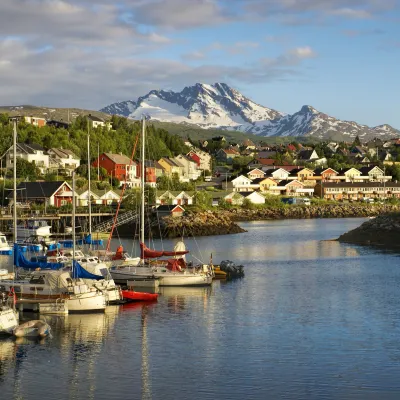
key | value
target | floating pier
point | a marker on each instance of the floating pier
(43, 306)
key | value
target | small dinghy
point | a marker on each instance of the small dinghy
(130, 295)
(34, 328)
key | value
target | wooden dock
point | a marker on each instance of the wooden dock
(43, 306)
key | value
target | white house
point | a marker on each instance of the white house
(254, 197)
(29, 152)
(96, 122)
(63, 159)
(278, 174)
(234, 198)
(189, 167)
(83, 197)
(175, 197)
(240, 184)
(109, 197)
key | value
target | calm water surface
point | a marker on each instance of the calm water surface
(312, 319)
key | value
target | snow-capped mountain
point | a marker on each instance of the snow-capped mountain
(310, 122)
(208, 106)
(219, 106)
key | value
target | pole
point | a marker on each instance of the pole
(89, 190)
(98, 161)
(15, 178)
(73, 218)
(142, 183)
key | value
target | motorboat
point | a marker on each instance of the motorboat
(29, 228)
(5, 248)
(8, 314)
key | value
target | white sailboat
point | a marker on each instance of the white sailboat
(55, 282)
(9, 317)
(170, 272)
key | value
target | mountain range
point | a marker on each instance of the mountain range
(219, 106)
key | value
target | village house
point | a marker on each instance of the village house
(170, 167)
(357, 190)
(170, 210)
(58, 124)
(175, 197)
(202, 158)
(55, 194)
(240, 184)
(348, 174)
(291, 188)
(189, 167)
(324, 174)
(63, 159)
(266, 184)
(255, 174)
(36, 121)
(229, 197)
(96, 122)
(120, 167)
(372, 174)
(304, 175)
(29, 152)
(227, 155)
(278, 174)
(248, 145)
(82, 199)
(253, 197)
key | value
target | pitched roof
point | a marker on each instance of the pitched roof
(223, 194)
(119, 158)
(93, 118)
(287, 182)
(35, 190)
(305, 154)
(168, 207)
(366, 170)
(63, 153)
(170, 162)
(29, 148)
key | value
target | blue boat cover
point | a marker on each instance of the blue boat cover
(21, 262)
(79, 272)
(88, 239)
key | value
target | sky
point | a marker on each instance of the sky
(340, 56)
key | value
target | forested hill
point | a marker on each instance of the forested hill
(120, 139)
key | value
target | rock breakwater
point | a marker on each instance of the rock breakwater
(382, 231)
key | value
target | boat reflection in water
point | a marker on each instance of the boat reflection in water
(82, 338)
(179, 297)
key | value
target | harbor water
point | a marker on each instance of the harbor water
(311, 319)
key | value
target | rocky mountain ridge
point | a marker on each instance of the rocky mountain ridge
(220, 106)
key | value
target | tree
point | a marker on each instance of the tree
(357, 142)
(203, 199)
(25, 170)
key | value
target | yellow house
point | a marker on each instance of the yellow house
(169, 166)
(266, 184)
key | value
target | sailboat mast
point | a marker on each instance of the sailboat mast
(142, 183)
(73, 218)
(89, 197)
(15, 179)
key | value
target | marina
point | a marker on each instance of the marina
(312, 318)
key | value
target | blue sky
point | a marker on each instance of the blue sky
(340, 56)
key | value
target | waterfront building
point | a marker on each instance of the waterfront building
(55, 194)
(29, 152)
(119, 166)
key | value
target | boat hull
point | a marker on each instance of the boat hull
(8, 320)
(130, 295)
(87, 302)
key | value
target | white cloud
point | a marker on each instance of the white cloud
(352, 13)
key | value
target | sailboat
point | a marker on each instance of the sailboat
(9, 316)
(171, 271)
(54, 281)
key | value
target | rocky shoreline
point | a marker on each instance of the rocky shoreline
(223, 222)
(383, 231)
